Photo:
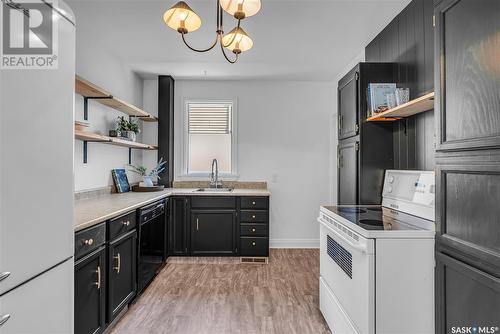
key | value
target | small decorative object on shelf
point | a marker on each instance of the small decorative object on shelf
(121, 181)
(402, 96)
(147, 178)
(113, 133)
(391, 100)
(376, 94)
(127, 129)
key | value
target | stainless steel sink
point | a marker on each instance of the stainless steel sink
(213, 190)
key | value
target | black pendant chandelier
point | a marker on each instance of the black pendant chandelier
(183, 19)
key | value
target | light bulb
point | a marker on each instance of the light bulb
(182, 18)
(241, 8)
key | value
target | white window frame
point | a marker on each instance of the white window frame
(233, 175)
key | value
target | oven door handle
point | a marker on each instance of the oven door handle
(362, 249)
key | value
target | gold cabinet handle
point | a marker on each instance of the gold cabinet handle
(118, 263)
(253, 203)
(126, 223)
(197, 224)
(253, 216)
(98, 283)
(253, 243)
(89, 242)
(253, 230)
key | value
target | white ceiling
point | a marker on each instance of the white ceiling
(293, 39)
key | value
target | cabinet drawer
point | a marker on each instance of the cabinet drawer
(251, 230)
(89, 239)
(254, 216)
(255, 202)
(122, 225)
(218, 202)
(254, 246)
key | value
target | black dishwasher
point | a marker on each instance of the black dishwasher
(152, 243)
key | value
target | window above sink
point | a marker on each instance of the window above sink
(209, 133)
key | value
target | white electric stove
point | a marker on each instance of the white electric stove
(377, 261)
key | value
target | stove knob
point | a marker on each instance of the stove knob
(389, 189)
(390, 179)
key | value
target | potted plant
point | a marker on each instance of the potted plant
(127, 129)
(147, 178)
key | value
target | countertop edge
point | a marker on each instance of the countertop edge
(183, 192)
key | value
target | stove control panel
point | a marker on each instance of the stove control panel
(409, 191)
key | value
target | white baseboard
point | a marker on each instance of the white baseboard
(294, 243)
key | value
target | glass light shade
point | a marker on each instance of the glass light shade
(241, 8)
(237, 41)
(182, 18)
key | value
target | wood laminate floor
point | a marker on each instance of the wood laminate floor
(205, 296)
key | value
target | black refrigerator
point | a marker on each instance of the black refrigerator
(365, 149)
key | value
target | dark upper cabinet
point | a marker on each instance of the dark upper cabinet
(363, 158)
(122, 271)
(465, 296)
(90, 294)
(213, 232)
(178, 226)
(348, 159)
(467, 74)
(348, 113)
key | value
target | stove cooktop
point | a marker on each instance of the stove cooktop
(378, 218)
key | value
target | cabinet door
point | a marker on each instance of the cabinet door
(348, 172)
(465, 296)
(177, 230)
(122, 271)
(348, 106)
(467, 210)
(467, 74)
(213, 232)
(90, 296)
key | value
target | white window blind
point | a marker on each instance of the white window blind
(209, 118)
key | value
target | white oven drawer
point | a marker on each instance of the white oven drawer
(348, 268)
(335, 317)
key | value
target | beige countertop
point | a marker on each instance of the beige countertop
(92, 211)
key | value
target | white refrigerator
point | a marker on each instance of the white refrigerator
(36, 186)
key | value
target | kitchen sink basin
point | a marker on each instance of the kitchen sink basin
(213, 190)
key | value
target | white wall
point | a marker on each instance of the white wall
(284, 134)
(95, 64)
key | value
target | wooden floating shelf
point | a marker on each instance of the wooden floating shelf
(97, 138)
(89, 90)
(416, 106)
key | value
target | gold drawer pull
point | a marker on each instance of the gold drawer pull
(253, 203)
(88, 242)
(98, 283)
(118, 263)
(126, 223)
(253, 216)
(253, 243)
(253, 230)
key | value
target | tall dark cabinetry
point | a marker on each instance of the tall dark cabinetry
(365, 149)
(166, 127)
(408, 41)
(467, 83)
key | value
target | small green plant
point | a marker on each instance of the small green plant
(143, 171)
(123, 125)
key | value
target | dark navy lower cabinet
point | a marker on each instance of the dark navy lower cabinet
(122, 273)
(90, 292)
(466, 296)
